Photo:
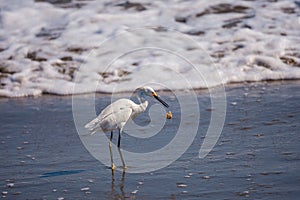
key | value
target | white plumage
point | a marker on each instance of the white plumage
(116, 115)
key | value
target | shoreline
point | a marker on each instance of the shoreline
(166, 92)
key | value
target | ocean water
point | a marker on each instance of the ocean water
(114, 46)
(256, 157)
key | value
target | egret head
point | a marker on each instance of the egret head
(148, 91)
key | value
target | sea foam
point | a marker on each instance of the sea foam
(116, 46)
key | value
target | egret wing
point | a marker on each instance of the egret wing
(116, 119)
(112, 117)
(115, 107)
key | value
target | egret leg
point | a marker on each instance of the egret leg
(113, 167)
(121, 156)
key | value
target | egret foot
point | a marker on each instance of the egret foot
(113, 167)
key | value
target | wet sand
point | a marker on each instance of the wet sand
(256, 157)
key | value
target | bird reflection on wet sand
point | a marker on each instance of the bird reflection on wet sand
(114, 192)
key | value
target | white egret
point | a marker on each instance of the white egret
(116, 115)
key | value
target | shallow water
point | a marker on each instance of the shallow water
(256, 157)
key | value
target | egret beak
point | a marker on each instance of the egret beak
(159, 99)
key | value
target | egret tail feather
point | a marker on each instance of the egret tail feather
(93, 126)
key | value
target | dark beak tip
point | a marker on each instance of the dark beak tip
(162, 102)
